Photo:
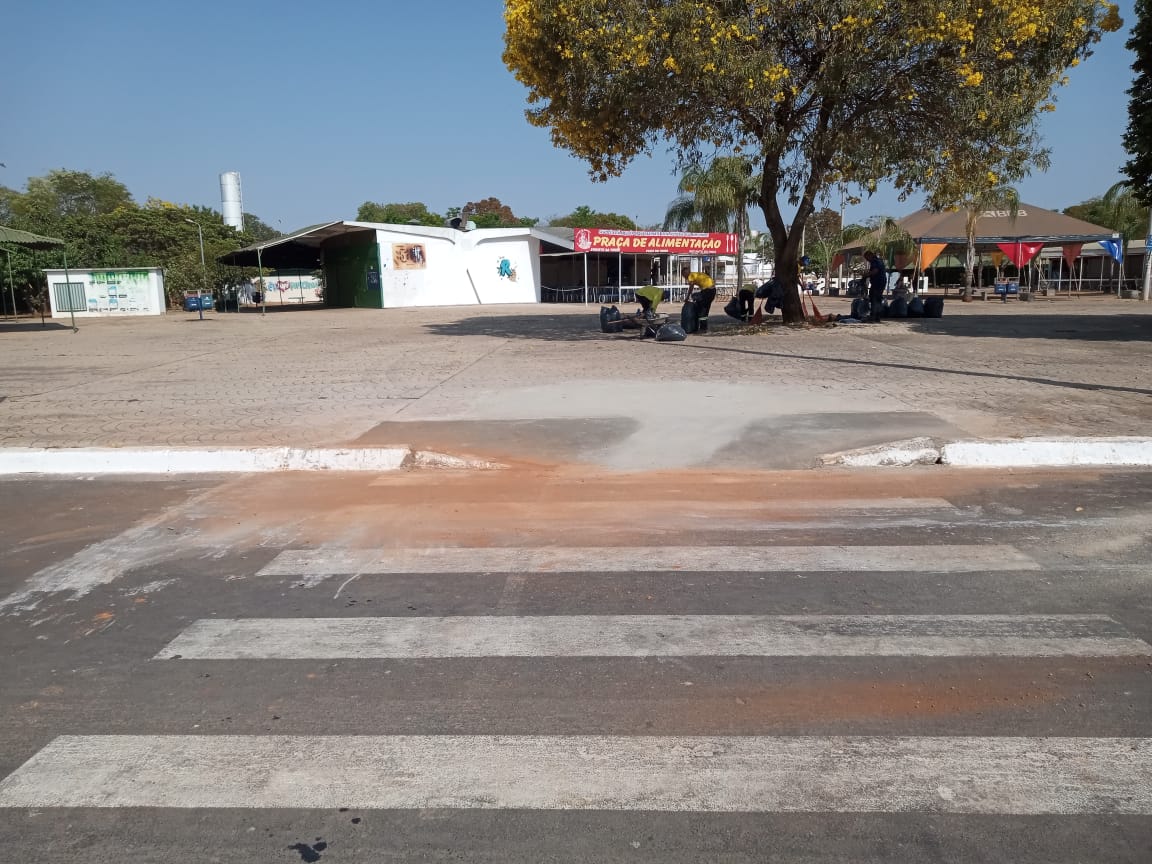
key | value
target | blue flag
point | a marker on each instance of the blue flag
(1115, 248)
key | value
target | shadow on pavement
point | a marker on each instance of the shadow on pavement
(930, 370)
(32, 326)
(277, 306)
(553, 328)
(1126, 327)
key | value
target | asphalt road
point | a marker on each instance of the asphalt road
(912, 667)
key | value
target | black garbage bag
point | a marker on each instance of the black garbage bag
(690, 317)
(860, 308)
(671, 332)
(934, 307)
(916, 308)
(610, 320)
(770, 289)
(732, 309)
(898, 308)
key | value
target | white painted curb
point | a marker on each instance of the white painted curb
(162, 460)
(1048, 452)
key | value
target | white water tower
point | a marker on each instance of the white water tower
(231, 201)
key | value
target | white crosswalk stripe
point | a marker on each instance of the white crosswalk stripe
(965, 775)
(649, 559)
(658, 636)
(735, 774)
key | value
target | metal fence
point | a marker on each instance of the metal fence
(625, 293)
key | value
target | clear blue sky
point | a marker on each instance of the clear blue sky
(323, 106)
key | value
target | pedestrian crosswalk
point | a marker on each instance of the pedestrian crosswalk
(737, 774)
(657, 636)
(1002, 774)
(651, 559)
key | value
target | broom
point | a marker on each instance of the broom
(816, 316)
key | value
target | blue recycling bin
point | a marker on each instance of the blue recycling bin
(192, 303)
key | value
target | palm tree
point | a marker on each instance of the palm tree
(883, 235)
(1121, 211)
(994, 197)
(717, 198)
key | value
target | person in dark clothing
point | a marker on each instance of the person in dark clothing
(705, 289)
(877, 282)
(747, 297)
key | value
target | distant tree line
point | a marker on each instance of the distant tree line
(104, 227)
(487, 213)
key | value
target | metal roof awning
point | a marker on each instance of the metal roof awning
(299, 250)
(555, 240)
(27, 239)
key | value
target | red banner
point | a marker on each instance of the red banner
(1019, 252)
(653, 242)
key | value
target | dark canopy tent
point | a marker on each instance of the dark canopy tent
(298, 251)
(27, 240)
(1031, 228)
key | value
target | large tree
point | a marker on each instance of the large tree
(823, 237)
(259, 230)
(817, 92)
(1138, 137)
(104, 227)
(492, 213)
(585, 217)
(61, 194)
(416, 213)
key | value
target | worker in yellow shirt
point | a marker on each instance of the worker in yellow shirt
(706, 292)
(649, 297)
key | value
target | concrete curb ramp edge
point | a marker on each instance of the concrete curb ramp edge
(166, 460)
(895, 454)
(1004, 453)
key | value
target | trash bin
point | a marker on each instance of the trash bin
(228, 301)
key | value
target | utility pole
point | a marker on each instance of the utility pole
(1148, 260)
(203, 268)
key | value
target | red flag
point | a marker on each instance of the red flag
(1020, 253)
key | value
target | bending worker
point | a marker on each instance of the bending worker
(702, 283)
(649, 297)
(877, 282)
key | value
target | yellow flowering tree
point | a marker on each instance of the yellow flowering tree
(815, 92)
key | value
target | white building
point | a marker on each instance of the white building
(106, 292)
(388, 266)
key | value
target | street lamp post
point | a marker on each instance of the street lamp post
(203, 267)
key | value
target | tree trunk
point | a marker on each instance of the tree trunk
(970, 255)
(785, 240)
(740, 220)
(788, 272)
